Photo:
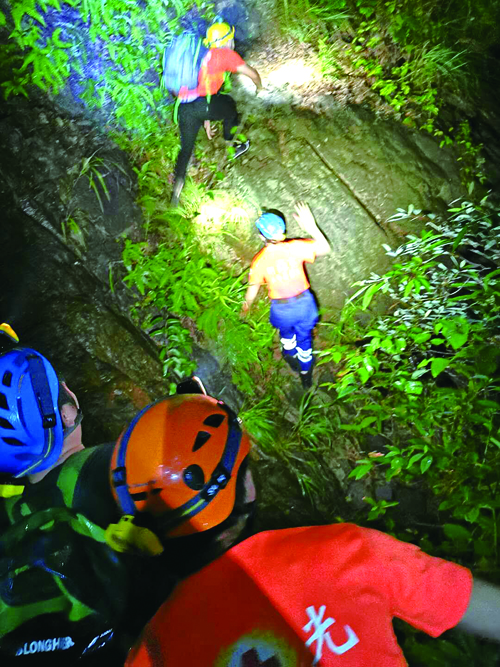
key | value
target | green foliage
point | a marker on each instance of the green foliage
(314, 427)
(124, 27)
(457, 650)
(180, 280)
(425, 375)
(91, 167)
(378, 507)
(297, 13)
(70, 228)
(408, 53)
(259, 420)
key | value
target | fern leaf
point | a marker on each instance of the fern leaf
(56, 40)
(36, 16)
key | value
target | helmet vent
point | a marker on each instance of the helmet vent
(3, 402)
(201, 439)
(5, 424)
(7, 378)
(16, 443)
(214, 420)
(194, 477)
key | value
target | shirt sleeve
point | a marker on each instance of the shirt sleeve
(429, 593)
(227, 59)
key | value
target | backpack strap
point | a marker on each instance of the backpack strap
(179, 101)
(176, 110)
(45, 520)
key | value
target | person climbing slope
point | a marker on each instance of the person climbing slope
(280, 264)
(210, 104)
(40, 432)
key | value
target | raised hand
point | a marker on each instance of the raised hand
(305, 218)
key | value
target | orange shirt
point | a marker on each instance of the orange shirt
(281, 266)
(323, 595)
(215, 64)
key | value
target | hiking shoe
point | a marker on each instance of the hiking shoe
(306, 378)
(239, 149)
(293, 362)
(176, 193)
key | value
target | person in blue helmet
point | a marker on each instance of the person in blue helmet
(280, 264)
(39, 417)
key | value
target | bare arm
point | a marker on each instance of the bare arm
(483, 611)
(251, 73)
(306, 221)
(251, 293)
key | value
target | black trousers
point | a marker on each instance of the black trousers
(192, 115)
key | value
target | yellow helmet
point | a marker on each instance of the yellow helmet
(219, 34)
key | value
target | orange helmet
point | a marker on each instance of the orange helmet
(178, 462)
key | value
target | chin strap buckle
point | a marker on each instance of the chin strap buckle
(126, 537)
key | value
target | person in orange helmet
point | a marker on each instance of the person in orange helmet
(171, 494)
(317, 595)
(187, 483)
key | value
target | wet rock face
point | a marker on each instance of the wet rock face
(69, 179)
(60, 228)
(59, 308)
(54, 273)
(353, 169)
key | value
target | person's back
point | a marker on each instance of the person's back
(61, 586)
(205, 103)
(214, 67)
(81, 484)
(306, 596)
(281, 267)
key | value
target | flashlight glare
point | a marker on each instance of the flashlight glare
(294, 72)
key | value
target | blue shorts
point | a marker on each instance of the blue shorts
(296, 318)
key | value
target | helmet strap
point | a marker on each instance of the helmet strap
(40, 384)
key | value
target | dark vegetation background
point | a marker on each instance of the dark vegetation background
(403, 431)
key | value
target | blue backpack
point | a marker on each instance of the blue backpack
(182, 61)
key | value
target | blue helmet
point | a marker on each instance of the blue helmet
(31, 430)
(271, 226)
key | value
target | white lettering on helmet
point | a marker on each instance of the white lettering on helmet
(45, 645)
